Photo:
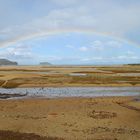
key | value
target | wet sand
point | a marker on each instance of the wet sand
(102, 118)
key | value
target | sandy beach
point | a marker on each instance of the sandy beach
(104, 118)
(69, 69)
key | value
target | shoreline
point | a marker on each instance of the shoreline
(79, 85)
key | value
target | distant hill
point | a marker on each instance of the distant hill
(45, 63)
(7, 62)
(134, 64)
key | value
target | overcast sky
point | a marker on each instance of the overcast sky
(70, 31)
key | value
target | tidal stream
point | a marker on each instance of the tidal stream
(51, 92)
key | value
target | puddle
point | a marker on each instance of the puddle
(78, 74)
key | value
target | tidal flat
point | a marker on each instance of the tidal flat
(69, 76)
(70, 102)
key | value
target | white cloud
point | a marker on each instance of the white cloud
(124, 57)
(113, 43)
(97, 45)
(92, 59)
(83, 49)
(19, 52)
(130, 53)
(108, 17)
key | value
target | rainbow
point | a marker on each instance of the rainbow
(50, 32)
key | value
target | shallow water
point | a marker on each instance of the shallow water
(51, 92)
(78, 74)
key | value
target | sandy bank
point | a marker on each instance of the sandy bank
(108, 118)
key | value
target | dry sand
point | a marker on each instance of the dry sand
(108, 118)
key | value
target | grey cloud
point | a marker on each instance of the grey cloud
(105, 16)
